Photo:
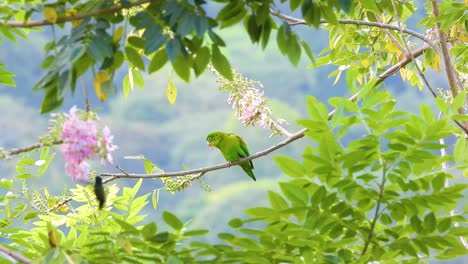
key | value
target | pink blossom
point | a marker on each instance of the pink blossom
(81, 142)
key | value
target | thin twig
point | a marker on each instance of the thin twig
(264, 152)
(14, 255)
(17, 151)
(267, 151)
(103, 11)
(281, 129)
(407, 51)
(297, 21)
(122, 170)
(376, 213)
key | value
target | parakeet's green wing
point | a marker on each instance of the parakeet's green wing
(244, 148)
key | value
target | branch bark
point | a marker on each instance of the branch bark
(449, 69)
(14, 255)
(103, 11)
(17, 151)
(297, 21)
(446, 56)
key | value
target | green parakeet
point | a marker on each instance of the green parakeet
(233, 148)
(99, 192)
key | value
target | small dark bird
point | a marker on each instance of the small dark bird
(99, 192)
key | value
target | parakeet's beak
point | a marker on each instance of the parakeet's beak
(209, 145)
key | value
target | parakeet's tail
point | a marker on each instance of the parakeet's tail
(248, 169)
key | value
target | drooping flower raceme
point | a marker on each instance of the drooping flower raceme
(83, 140)
(247, 100)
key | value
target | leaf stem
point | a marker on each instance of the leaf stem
(377, 212)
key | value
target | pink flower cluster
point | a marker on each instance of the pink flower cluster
(82, 140)
(251, 108)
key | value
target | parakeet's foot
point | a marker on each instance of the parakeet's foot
(229, 163)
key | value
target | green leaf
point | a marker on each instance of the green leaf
(458, 101)
(174, 260)
(258, 212)
(438, 182)
(148, 166)
(294, 50)
(6, 183)
(158, 61)
(294, 193)
(266, 32)
(317, 110)
(236, 223)
(160, 237)
(385, 219)
(149, 230)
(127, 227)
(308, 51)
(199, 232)
(201, 60)
(134, 58)
(173, 49)
(221, 63)
(171, 92)
(24, 176)
(138, 78)
(289, 166)
(253, 29)
(126, 86)
(282, 37)
(426, 113)
(416, 224)
(459, 152)
(430, 222)
(6, 77)
(444, 225)
(172, 220)
(51, 101)
(217, 40)
(155, 199)
(277, 201)
(182, 67)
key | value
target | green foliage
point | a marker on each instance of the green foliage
(384, 197)
(378, 198)
(85, 233)
(180, 32)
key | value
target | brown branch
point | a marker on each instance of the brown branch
(408, 53)
(14, 255)
(17, 151)
(297, 21)
(103, 11)
(204, 170)
(449, 69)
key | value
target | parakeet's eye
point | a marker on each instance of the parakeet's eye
(209, 139)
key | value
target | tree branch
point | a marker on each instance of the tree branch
(406, 50)
(14, 255)
(297, 21)
(449, 69)
(204, 170)
(103, 11)
(17, 151)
